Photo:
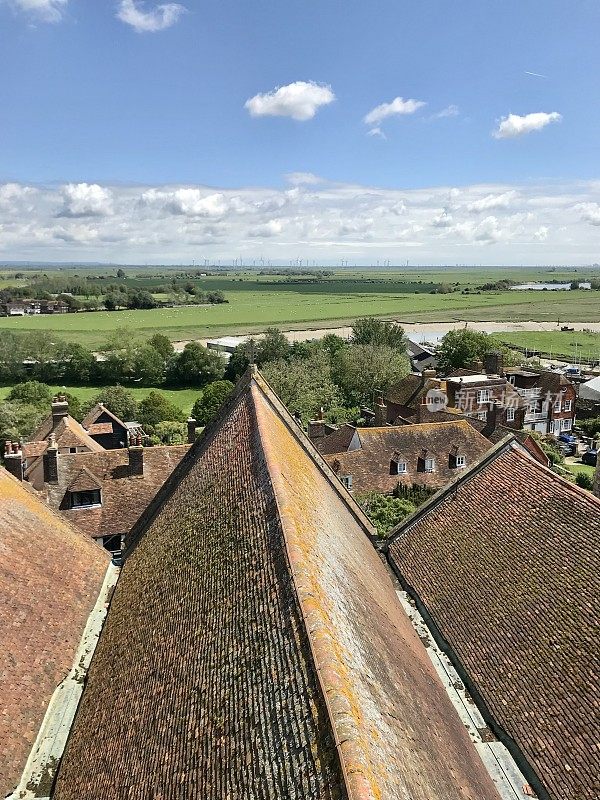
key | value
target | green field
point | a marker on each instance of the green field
(182, 398)
(576, 468)
(572, 345)
(289, 301)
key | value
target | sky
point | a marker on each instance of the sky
(318, 131)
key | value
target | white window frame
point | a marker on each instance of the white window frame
(401, 467)
(566, 424)
(557, 405)
(510, 415)
(461, 461)
(483, 396)
(429, 465)
(482, 415)
(567, 405)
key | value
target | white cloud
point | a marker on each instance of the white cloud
(158, 18)
(492, 202)
(45, 10)
(514, 125)
(85, 200)
(398, 107)
(271, 228)
(377, 132)
(504, 223)
(590, 212)
(303, 179)
(300, 100)
(449, 111)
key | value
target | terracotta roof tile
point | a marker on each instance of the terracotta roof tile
(265, 650)
(50, 577)
(507, 564)
(124, 496)
(370, 464)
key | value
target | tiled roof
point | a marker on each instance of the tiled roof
(262, 648)
(369, 465)
(406, 393)
(84, 480)
(99, 428)
(97, 411)
(124, 496)
(507, 564)
(68, 433)
(337, 441)
(50, 577)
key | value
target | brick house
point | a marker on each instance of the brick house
(107, 429)
(551, 399)
(380, 458)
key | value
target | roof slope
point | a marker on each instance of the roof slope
(265, 651)
(124, 496)
(50, 577)
(507, 564)
(370, 464)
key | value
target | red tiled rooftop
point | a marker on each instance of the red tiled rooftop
(507, 563)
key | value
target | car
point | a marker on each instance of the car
(567, 438)
(590, 458)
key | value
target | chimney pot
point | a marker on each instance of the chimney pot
(191, 430)
(13, 459)
(60, 409)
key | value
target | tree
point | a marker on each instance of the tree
(162, 344)
(120, 273)
(79, 365)
(169, 432)
(585, 481)
(112, 301)
(75, 408)
(196, 366)
(461, 348)
(33, 393)
(360, 370)
(118, 400)
(368, 330)
(304, 386)
(18, 420)
(239, 361)
(384, 510)
(271, 347)
(148, 365)
(210, 401)
(155, 408)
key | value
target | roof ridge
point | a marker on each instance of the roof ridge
(313, 453)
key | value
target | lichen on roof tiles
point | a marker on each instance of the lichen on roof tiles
(265, 652)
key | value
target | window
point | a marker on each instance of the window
(483, 396)
(429, 464)
(85, 499)
(567, 405)
(482, 415)
(510, 415)
(72, 449)
(112, 543)
(397, 467)
(347, 481)
(557, 405)
(461, 461)
(565, 424)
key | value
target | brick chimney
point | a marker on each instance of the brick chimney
(380, 412)
(51, 461)
(136, 455)
(60, 409)
(476, 366)
(494, 363)
(191, 430)
(13, 459)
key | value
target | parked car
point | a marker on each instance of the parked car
(590, 458)
(567, 438)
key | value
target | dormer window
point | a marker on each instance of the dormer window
(461, 461)
(347, 481)
(87, 499)
(397, 465)
(430, 465)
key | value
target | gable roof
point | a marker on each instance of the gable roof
(97, 411)
(336, 442)
(68, 433)
(50, 577)
(506, 564)
(124, 496)
(265, 650)
(369, 464)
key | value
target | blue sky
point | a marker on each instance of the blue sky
(86, 98)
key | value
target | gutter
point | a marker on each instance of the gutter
(40, 771)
